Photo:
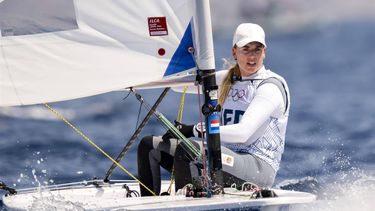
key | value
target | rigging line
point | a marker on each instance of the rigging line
(179, 119)
(186, 144)
(191, 51)
(171, 181)
(136, 132)
(126, 97)
(139, 114)
(181, 107)
(165, 122)
(179, 135)
(95, 146)
(203, 135)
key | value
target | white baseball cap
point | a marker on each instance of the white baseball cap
(248, 32)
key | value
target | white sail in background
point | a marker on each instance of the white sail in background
(64, 49)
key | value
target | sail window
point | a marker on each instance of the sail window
(25, 17)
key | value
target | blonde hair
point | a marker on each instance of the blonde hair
(227, 83)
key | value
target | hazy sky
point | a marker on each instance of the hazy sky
(32, 16)
(287, 15)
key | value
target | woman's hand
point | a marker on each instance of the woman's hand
(186, 130)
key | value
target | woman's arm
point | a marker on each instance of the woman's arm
(267, 102)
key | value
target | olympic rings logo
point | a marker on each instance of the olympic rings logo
(236, 94)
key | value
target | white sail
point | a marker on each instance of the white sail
(65, 49)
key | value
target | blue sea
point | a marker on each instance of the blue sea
(330, 140)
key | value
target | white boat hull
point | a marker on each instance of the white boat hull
(113, 197)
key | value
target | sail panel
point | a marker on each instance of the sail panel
(117, 44)
(183, 57)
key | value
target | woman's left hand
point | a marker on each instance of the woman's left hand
(186, 130)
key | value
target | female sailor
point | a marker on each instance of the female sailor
(255, 109)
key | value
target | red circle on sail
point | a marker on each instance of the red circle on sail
(161, 51)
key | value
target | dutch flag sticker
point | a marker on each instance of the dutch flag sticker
(214, 125)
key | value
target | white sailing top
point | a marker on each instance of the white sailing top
(254, 118)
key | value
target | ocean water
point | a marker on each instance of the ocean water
(330, 138)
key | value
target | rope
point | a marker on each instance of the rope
(60, 116)
(191, 51)
(133, 138)
(179, 119)
(203, 137)
(169, 126)
(181, 107)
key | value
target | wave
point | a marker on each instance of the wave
(34, 112)
(39, 112)
(353, 190)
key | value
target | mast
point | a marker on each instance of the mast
(211, 108)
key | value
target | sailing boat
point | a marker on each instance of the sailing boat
(64, 49)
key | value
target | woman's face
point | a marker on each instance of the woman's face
(249, 57)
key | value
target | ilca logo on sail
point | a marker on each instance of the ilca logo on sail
(157, 26)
